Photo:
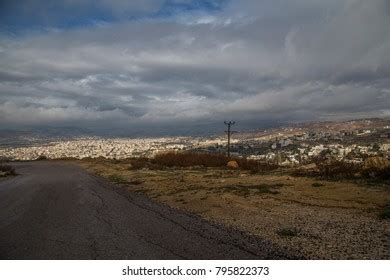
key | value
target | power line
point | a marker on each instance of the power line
(229, 132)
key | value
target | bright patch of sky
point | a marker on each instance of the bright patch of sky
(34, 14)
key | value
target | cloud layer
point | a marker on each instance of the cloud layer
(252, 60)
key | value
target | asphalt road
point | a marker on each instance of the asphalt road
(56, 210)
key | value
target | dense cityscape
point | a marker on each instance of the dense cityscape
(286, 146)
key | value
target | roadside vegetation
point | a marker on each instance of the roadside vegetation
(7, 170)
(195, 160)
(333, 169)
(330, 210)
(319, 168)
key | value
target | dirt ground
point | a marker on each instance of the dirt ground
(321, 219)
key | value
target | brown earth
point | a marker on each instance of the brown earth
(321, 219)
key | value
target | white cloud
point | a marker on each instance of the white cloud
(311, 59)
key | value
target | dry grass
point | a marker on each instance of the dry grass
(287, 232)
(187, 159)
(190, 159)
(247, 190)
(193, 160)
(335, 169)
(334, 219)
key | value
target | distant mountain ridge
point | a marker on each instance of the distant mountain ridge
(320, 126)
(21, 137)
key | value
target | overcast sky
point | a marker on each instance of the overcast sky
(107, 63)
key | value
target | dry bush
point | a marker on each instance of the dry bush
(41, 157)
(317, 185)
(287, 232)
(139, 163)
(338, 168)
(379, 173)
(299, 172)
(7, 169)
(385, 213)
(4, 159)
(255, 166)
(343, 169)
(187, 159)
(331, 169)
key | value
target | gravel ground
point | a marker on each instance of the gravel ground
(337, 220)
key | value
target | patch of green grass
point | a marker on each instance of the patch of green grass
(140, 191)
(117, 179)
(215, 175)
(287, 232)
(246, 190)
(374, 183)
(317, 185)
(136, 182)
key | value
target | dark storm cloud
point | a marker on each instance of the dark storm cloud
(253, 60)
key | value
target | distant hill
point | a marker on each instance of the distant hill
(326, 126)
(28, 137)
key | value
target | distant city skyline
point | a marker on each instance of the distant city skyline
(175, 65)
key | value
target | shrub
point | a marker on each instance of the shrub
(139, 163)
(343, 169)
(336, 168)
(117, 179)
(379, 173)
(188, 159)
(385, 214)
(246, 190)
(287, 232)
(7, 169)
(256, 166)
(330, 169)
(305, 172)
(316, 185)
(136, 182)
(4, 159)
(42, 157)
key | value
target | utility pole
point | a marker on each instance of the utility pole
(229, 132)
